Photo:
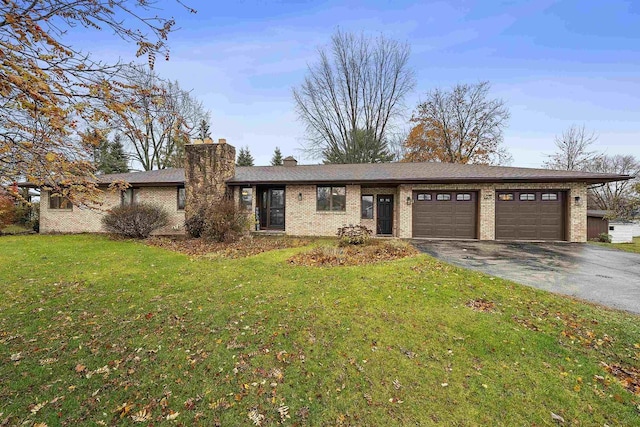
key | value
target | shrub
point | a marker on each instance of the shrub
(225, 221)
(353, 235)
(604, 238)
(137, 220)
(195, 223)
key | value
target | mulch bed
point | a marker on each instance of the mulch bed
(372, 252)
(242, 248)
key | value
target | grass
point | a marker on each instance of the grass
(102, 332)
(627, 247)
(14, 229)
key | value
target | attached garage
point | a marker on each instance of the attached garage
(445, 214)
(530, 215)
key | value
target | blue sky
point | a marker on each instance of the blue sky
(555, 63)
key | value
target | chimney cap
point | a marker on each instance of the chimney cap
(222, 141)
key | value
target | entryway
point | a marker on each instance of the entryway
(384, 224)
(271, 208)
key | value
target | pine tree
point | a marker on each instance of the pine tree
(119, 159)
(276, 160)
(244, 157)
(109, 157)
(203, 130)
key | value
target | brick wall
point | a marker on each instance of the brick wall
(302, 218)
(84, 220)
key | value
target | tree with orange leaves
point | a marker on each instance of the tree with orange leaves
(462, 125)
(50, 92)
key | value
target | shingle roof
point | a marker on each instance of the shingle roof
(155, 177)
(374, 173)
(409, 172)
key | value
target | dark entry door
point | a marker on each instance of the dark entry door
(272, 208)
(385, 214)
(276, 208)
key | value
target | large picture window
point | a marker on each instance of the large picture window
(367, 207)
(331, 198)
(182, 198)
(59, 202)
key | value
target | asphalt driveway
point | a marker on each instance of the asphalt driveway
(597, 274)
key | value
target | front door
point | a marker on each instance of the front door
(272, 208)
(385, 214)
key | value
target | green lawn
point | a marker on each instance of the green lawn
(102, 332)
(628, 247)
(14, 229)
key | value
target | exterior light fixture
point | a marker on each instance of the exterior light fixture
(577, 199)
(300, 196)
(408, 200)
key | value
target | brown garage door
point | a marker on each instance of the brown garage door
(445, 214)
(530, 215)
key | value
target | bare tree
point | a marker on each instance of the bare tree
(358, 85)
(618, 196)
(572, 150)
(162, 119)
(462, 125)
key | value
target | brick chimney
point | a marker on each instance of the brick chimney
(208, 166)
(289, 161)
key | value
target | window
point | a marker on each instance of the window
(366, 205)
(128, 196)
(527, 197)
(182, 198)
(443, 197)
(549, 196)
(331, 198)
(246, 197)
(424, 196)
(505, 197)
(463, 197)
(58, 202)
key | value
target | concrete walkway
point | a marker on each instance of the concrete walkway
(601, 275)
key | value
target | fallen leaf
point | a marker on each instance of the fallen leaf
(556, 417)
(141, 416)
(37, 407)
(172, 416)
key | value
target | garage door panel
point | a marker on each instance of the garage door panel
(452, 218)
(535, 219)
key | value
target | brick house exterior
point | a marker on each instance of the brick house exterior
(315, 200)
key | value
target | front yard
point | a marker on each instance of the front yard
(101, 332)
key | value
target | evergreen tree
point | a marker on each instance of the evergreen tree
(363, 147)
(244, 157)
(203, 130)
(276, 160)
(109, 157)
(118, 158)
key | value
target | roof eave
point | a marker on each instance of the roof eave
(477, 180)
